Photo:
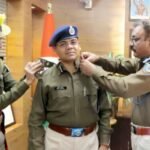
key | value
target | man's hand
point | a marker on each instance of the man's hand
(87, 67)
(104, 147)
(30, 69)
(89, 56)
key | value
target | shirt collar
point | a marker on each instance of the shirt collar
(62, 68)
(144, 60)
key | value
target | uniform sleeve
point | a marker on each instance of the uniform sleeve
(123, 66)
(105, 112)
(8, 79)
(36, 119)
(12, 89)
(128, 86)
(13, 94)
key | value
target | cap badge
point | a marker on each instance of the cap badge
(71, 30)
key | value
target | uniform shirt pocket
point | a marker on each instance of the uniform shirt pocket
(60, 92)
(90, 95)
(61, 98)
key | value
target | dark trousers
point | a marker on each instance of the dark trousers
(121, 136)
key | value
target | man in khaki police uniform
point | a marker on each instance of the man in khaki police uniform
(135, 83)
(67, 99)
(13, 90)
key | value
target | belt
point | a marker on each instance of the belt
(74, 132)
(140, 130)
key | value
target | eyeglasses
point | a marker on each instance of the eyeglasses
(135, 39)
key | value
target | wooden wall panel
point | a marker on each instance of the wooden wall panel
(17, 48)
(37, 23)
(23, 43)
(39, 3)
(101, 29)
(37, 26)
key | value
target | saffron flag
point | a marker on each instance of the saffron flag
(49, 26)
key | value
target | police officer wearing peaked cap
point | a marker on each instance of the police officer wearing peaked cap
(63, 33)
(13, 89)
(67, 99)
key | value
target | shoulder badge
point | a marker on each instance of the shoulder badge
(40, 73)
(146, 69)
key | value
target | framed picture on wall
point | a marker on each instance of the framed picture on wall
(139, 9)
(9, 116)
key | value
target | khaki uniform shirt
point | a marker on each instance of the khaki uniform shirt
(68, 100)
(13, 91)
(135, 83)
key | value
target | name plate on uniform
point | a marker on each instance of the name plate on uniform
(60, 88)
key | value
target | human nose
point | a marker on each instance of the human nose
(131, 44)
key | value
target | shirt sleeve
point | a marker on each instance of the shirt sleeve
(13, 94)
(126, 86)
(105, 113)
(36, 119)
(10, 90)
(123, 66)
(8, 79)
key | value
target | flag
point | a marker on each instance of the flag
(48, 30)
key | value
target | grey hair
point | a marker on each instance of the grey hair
(146, 26)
